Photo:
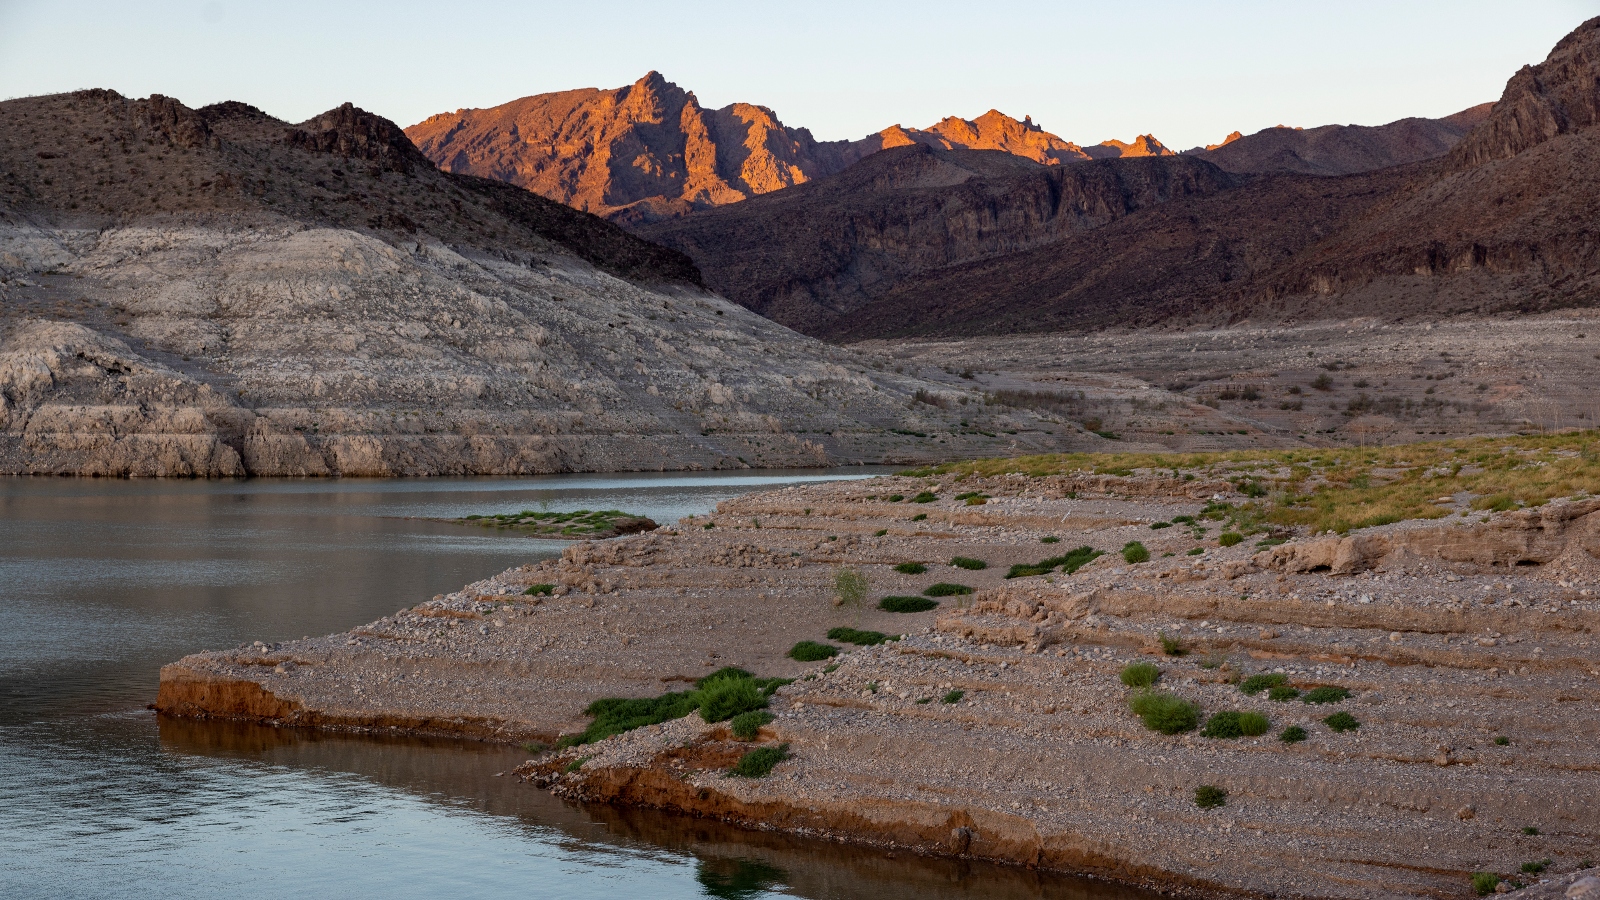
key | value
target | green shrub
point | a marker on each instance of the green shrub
(746, 725)
(1022, 570)
(1341, 722)
(1225, 724)
(946, 589)
(1140, 675)
(1050, 539)
(1530, 831)
(758, 763)
(967, 562)
(576, 764)
(1183, 520)
(906, 604)
(1157, 526)
(1197, 551)
(1135, 552)
(1485, 883)
(850, 586)
(1209, 796)
(1294, 734)
(911, 568)
(1166, 713)
(1069, 563)
(953, 697)
(880, 532)
(1534, 868)
(1229, 538)
(925, 497)
(720, 695)
(853, 636)
(724, 698)
(1253, 724)
(896, 498)
(1262, 681)
(1171, 646)
(1282, 693)
(1502, 741)
(1326, 694)
(919, 517)
(539, 590)
(811, 651)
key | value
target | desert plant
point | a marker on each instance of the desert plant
(1535, 867)
(1209, 796)
(925, 497)
(911, 568)
(1166, 713)
(1254, 724)
(1484, 883)
(1139, 675)
(919, 517)
(539, 590)
(1282, 693)
(906, 604)
(1135, 552)
(723, 698)
(953, 697)
(850, 587)
(1157, 526)
(811, 651)
(946, 589)
(1326, 694)
(1530, 831)
(1294, 734)
(758, 763)
(1341, 722)
(1050, 539)
(1225, 724)
(854, 636)
(1502, 741)
(1262, 681)
(1229, 538)
(968, 563)
(576, 764)
(1172, 646)
(747, 725)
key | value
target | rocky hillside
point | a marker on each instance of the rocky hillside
(216, 292)
(1342, 149)
(650, 151)
(1502, 222)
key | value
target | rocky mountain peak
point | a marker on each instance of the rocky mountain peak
(1559, 96)
(354, 133)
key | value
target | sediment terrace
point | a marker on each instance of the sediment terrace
(1466, 642)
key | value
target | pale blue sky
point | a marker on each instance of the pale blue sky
(1188, 72)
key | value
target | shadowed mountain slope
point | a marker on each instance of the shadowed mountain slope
(1343, 149)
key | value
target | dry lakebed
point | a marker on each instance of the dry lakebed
(1227, 693)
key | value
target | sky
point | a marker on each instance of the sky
(1187, 72)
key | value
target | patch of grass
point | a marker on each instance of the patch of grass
(880, 532)
(907, 604)
(911, 568)
(811, 651)
(746, 725)
(946, 589)
(1050, 539)
(1139, 675)
(1326, 694)
(1230, 538)
(1484, 883)
(968, 563)
(1294, 734)
(1172, 646)
(855, 636)
(1068, 562)
(1232, 723)
(724, 698)
(1134, 552)
(539, 590)
(896, 498)
(758, 763)
(1530, 831)
(920, 517)
(1502, 741)
(1157, 526)
(1209, 796)
(1341, 722)
(1282, 693)
(576, 764)
(1263, 681)
(1197, 551)
(953, 697)
(718, 696)
(1534, 868)
(1166, 713)
(925, 497)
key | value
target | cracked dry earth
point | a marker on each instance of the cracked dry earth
(1448, 636)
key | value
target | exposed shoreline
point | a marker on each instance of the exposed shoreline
(1040, 764)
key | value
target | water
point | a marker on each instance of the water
(101, 582)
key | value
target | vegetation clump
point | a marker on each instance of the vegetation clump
(1209, 796)
(1068, 563)
(1139, 675)
(953, 697)
(582, 523)
(1230, 538)
(539, 590)
(907, 604)
(1484, 883)
(1134, 552)
(1341, 722)
(758, 763)
(925, 497)
(719, 696)
(854, 636)
(1050, 539)
(1263, 681)
(747, 725)
(1172, 646)
(1326, 694)
(968, 563)
(811, 651)
(911, 568)
(1166, 713)
(1282, 693)
(946, 589)
(1235, 724)
(1294, 734)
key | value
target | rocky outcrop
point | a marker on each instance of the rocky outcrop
(1559, 96)
(357, 134)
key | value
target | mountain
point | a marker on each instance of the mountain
(650, 151)
(216, 292)
(1342, 149)
(1495, 219)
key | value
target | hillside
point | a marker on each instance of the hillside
(1342, 149)
(216, 292)
(650, 151)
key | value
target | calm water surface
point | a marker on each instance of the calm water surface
(101, 582)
